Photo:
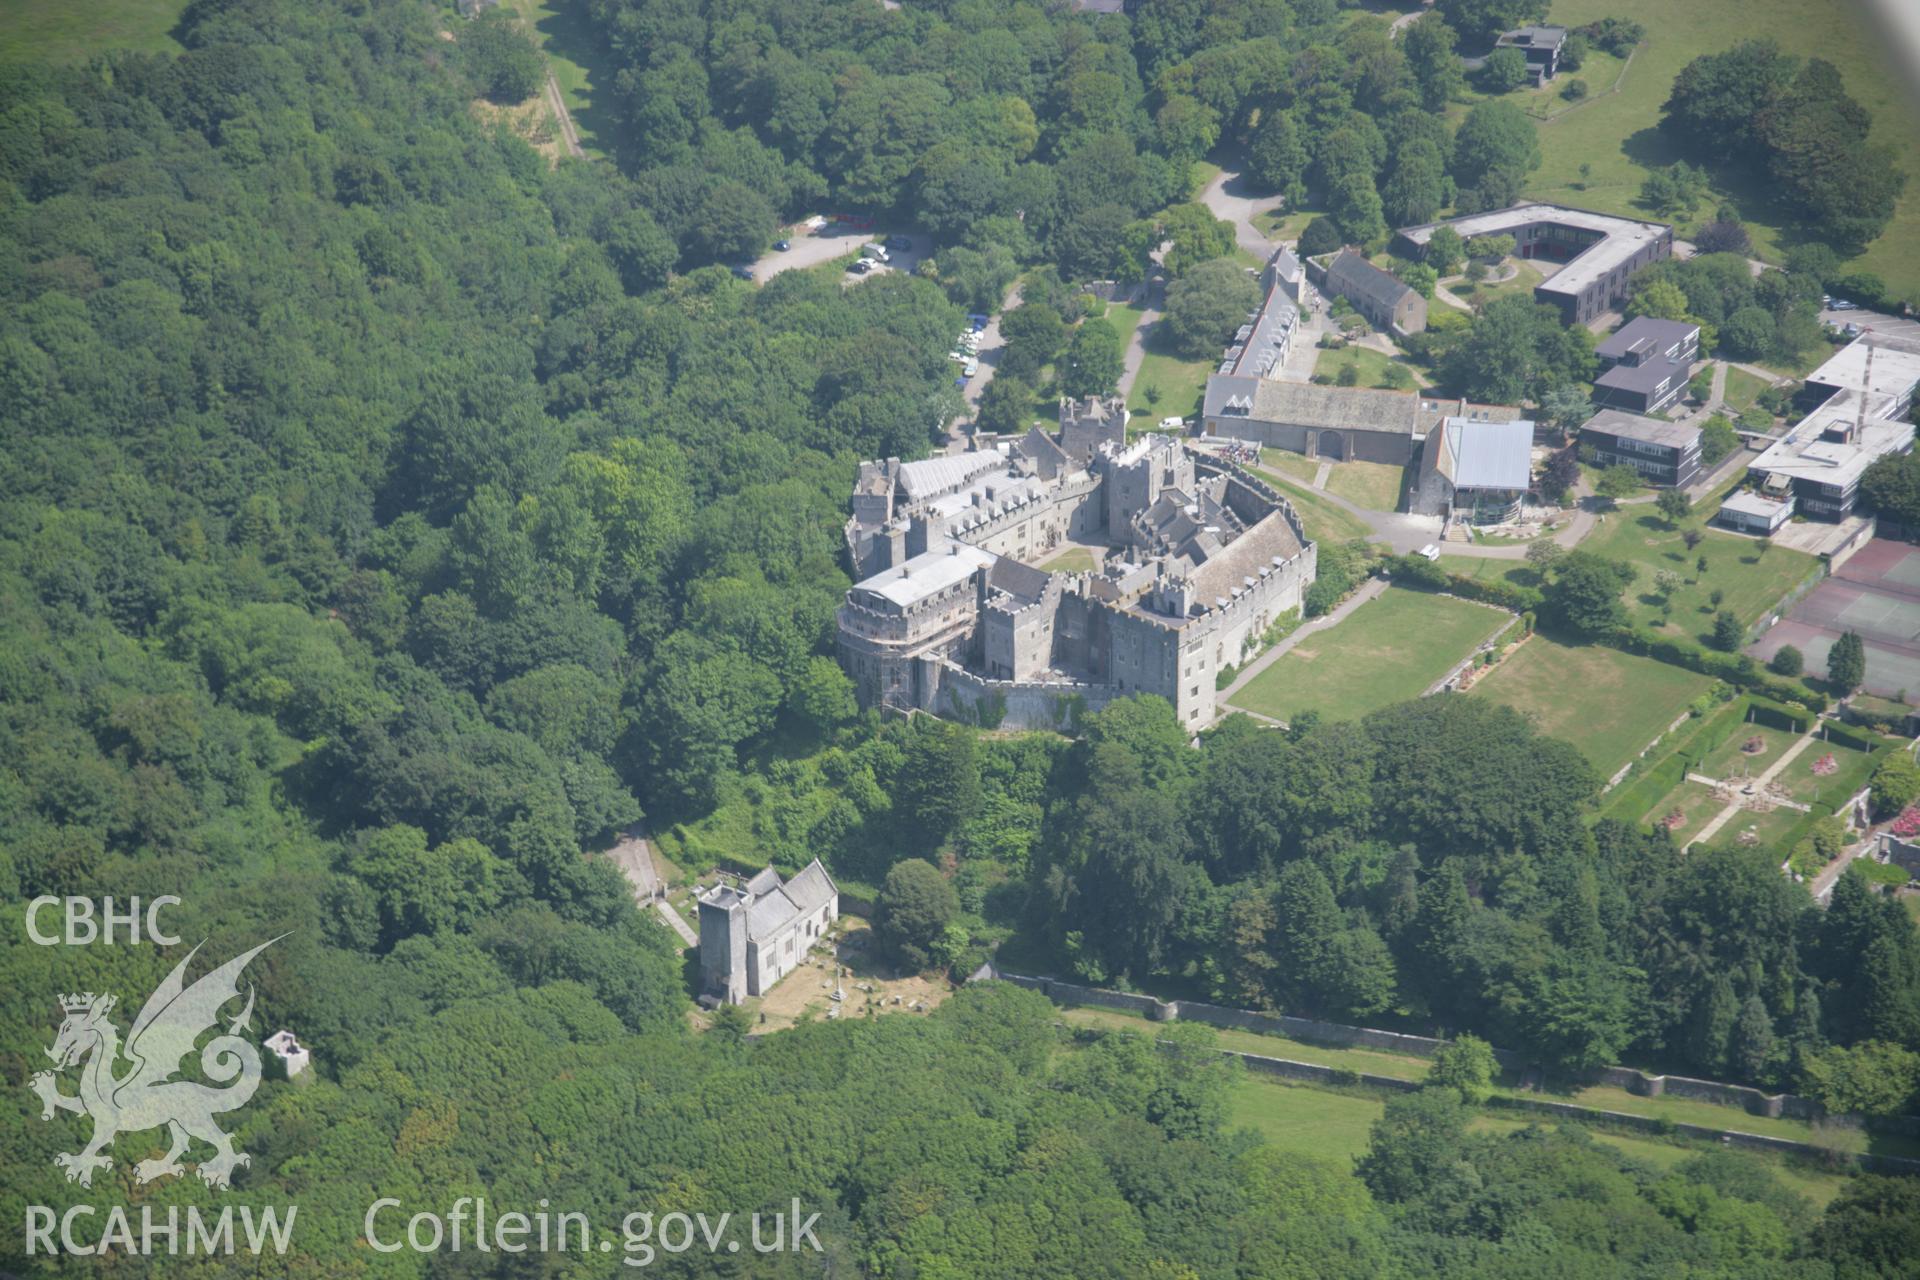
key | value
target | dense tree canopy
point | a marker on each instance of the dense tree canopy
(391, 517)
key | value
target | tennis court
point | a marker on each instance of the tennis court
(1890, 566)
(1876, 594)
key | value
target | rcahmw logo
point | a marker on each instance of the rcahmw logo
(146, 1095)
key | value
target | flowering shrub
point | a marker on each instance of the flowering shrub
(1907, 824)
(1826, 764)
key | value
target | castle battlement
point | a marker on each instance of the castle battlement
(967, 626)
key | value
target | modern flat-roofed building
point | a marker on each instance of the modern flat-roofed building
(1540, 45)
(1646, 364)
(1596, 253)
(1755, 513)
(1665, 453)
(1861, 398)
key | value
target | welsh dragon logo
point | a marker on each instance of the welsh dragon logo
(146, 1095)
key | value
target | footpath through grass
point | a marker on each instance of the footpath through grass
(1608, 704)
(1386, 651)
(1325, 522)
(581, 64)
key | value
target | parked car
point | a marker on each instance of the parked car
(971, 367)
(742, 272)
(875, 251)
(860, 266)
(902, 243)
(782, 246)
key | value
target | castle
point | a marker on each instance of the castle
(952, 615)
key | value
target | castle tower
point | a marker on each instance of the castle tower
(1087, 424)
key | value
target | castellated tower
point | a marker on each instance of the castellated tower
(1087, 424)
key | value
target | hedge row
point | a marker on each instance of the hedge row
(1736, 669)
(1632, 800)
(1418, 571)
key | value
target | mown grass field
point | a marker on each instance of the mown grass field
(1696, 803)
(1616, 133)
(1608, 704)
(1387, 651)
(1742, 388)
(1374, 486)
(1178, 383)
(46, 31)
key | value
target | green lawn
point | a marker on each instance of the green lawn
(45, 31)
(1607, 703)
(1125, 319)
(1296, 465)
(1180, 384)
(1751, 582)
(1072, 560)
(1601, 71)
(1743, 388)
(1371, 366)
(1387, 651)
(1307, 1118)
(1374, 486)
(1525, 277)
(1324, 521)
(1800, 781)
(1616, 133)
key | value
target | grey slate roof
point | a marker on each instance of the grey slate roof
(778, 907)
(1357, 280)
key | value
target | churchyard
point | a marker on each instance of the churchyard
(851, 967)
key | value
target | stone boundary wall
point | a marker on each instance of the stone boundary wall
(1633, 1080)
(1306, 1029)
(1289, 1069)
